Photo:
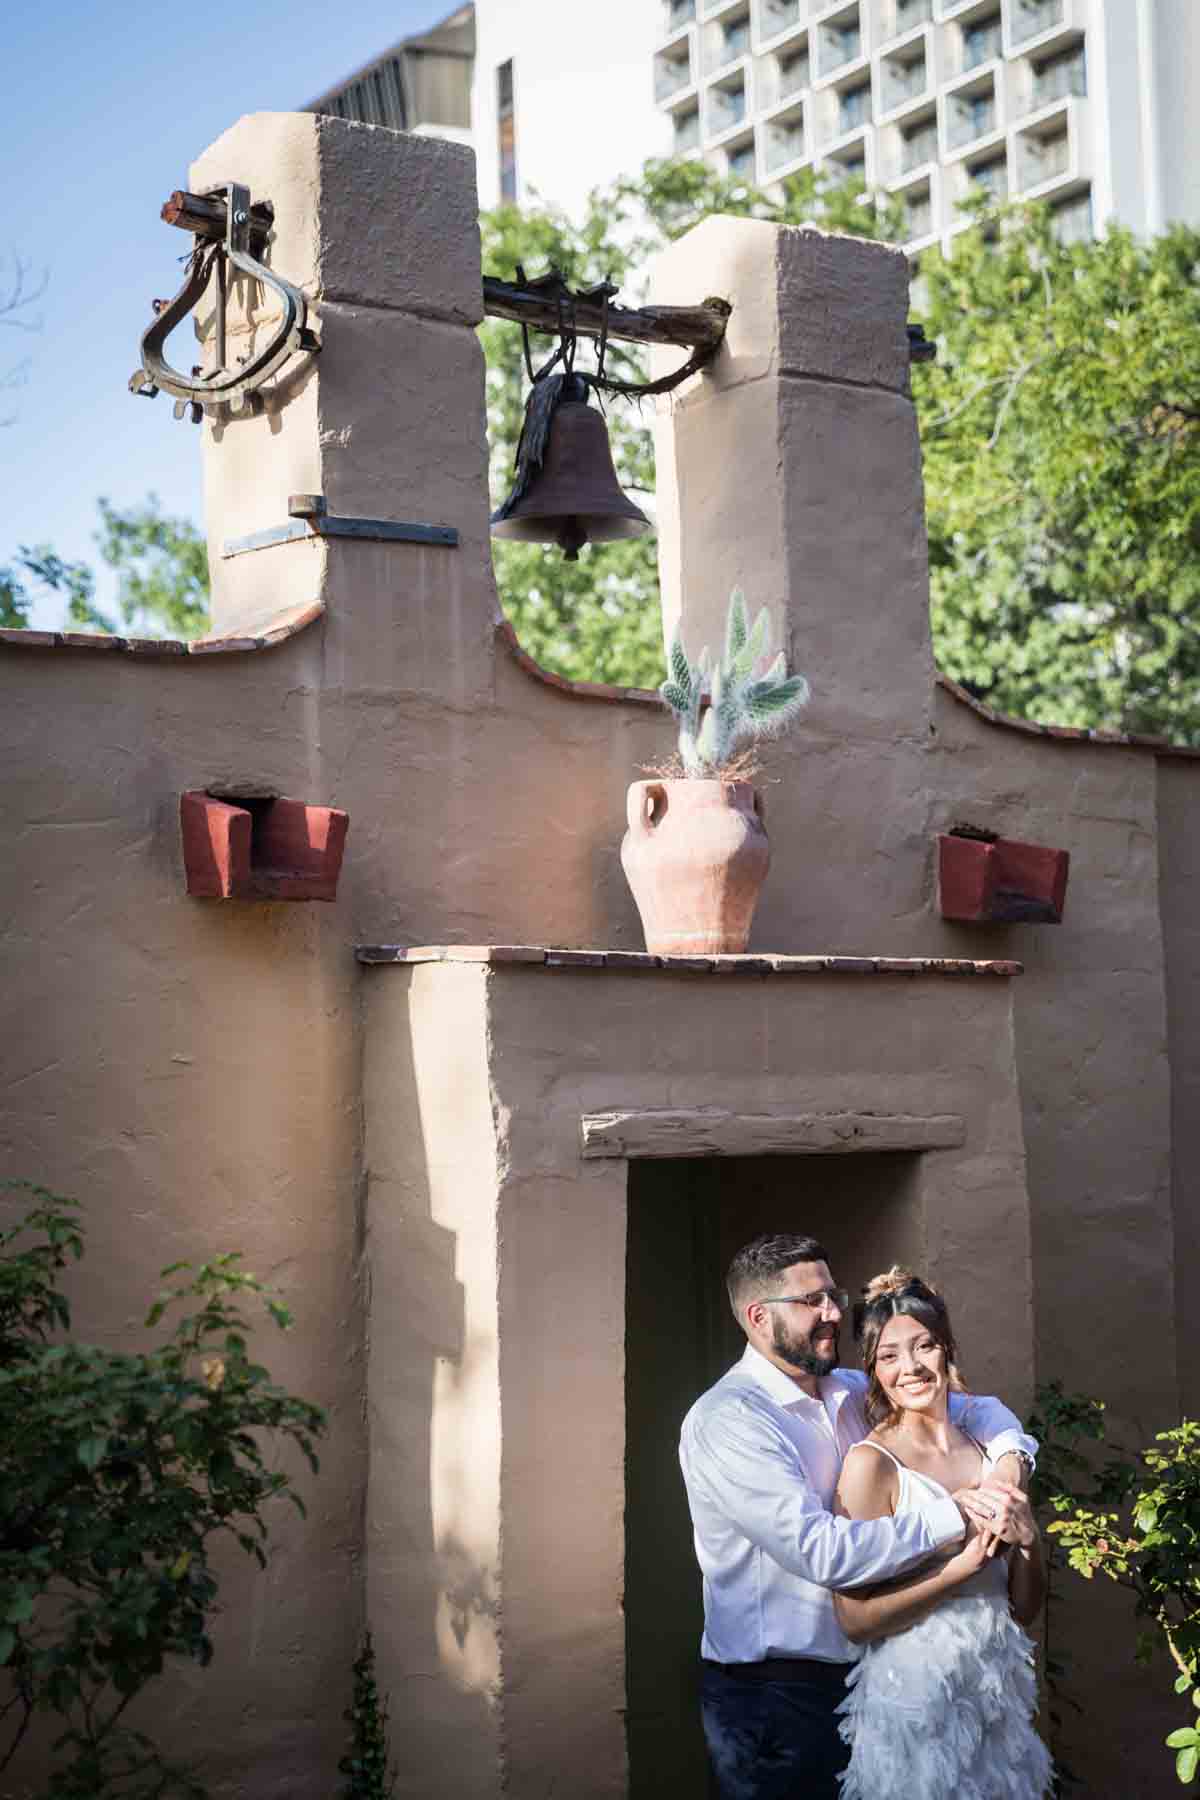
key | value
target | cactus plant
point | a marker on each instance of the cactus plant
(742, 707)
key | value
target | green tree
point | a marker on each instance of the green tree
(1062, 466)
(161, 564)
(119, 1473)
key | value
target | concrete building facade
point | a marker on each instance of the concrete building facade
(1085, 104)
(442, 1113)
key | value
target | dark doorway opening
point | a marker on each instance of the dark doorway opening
(686, 1220)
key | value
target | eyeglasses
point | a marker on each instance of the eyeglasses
(838, 1296)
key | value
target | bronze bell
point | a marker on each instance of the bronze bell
(570, 495)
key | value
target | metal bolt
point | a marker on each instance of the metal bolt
(240, 218)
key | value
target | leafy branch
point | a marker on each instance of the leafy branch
(119, 1471)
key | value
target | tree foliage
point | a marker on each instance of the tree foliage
(161, 564)
(1150, 1544)
(20, 291)
(1135, 1518)
(1061, 430)
(119, 1472)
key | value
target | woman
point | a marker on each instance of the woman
(941, 1704)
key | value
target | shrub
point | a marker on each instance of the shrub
(118, 1470)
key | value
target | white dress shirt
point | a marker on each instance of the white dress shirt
(761, 1462)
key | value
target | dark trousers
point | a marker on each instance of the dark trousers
(771, 1728)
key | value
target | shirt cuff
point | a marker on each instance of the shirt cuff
(1019, 1441)
(945, 1523)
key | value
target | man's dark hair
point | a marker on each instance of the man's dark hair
(756, 1265)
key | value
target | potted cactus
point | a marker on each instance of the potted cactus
(696, 852)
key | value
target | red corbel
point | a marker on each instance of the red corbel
(1000, 881)
(255, 849)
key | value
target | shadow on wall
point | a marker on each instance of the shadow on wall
(432, 1599)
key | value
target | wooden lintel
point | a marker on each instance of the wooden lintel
(708, 1131)
(692, 326)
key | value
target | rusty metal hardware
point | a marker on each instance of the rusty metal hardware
(227, 231)
(308, 518)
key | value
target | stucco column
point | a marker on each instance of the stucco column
(792, 467)
(379, 229)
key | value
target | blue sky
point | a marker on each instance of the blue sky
(106, 105)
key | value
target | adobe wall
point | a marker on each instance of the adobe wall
(539, 1588)
(193, 1070)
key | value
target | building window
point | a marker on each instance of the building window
(991, 177)
(687, 130)
(741, 161)
(854, 107)
(970, 117)
(1033, 16)
(506, 127)
(778, 15)
(912, 12)
(1072, 221)
(842, 43)
(1057, 76)
(981, 41)
(918, 146)
(918, 216)
(793, 73)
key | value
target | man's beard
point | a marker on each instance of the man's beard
(802, 1357)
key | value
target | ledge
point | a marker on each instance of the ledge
(1065, 734)
(281, 626)
(636, 961)
(583, 690)
(1061, 734)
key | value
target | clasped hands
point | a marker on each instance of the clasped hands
(997, 1512)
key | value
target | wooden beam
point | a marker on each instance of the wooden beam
(697, 327)
(710, 1132)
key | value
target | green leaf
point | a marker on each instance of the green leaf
(1185, 1764)
(1181, 1739)
(8, 1640)
(92, 1451)
(736, 627)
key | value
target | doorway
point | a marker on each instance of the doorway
(686, 1218)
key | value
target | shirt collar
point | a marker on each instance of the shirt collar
(832, 1390)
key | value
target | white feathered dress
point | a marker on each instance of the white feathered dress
(944, 1710)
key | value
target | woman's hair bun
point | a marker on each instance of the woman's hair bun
(894, 1281)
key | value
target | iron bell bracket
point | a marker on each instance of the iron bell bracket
(223, 386)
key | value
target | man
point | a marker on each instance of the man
(761, 1452)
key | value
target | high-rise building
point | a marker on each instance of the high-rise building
(421, 84)
(555, 103)
(1090, 105)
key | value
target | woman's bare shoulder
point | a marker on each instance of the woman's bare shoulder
(868, 1484)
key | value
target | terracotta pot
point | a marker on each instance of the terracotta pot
(696, 856)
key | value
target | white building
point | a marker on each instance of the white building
(556, 99)
(563, 98)
(1090, 105)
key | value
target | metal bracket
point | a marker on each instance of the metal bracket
(309, 519)
(222, 386)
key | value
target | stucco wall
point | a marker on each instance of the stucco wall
(193, 1069)
(480, 1076)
